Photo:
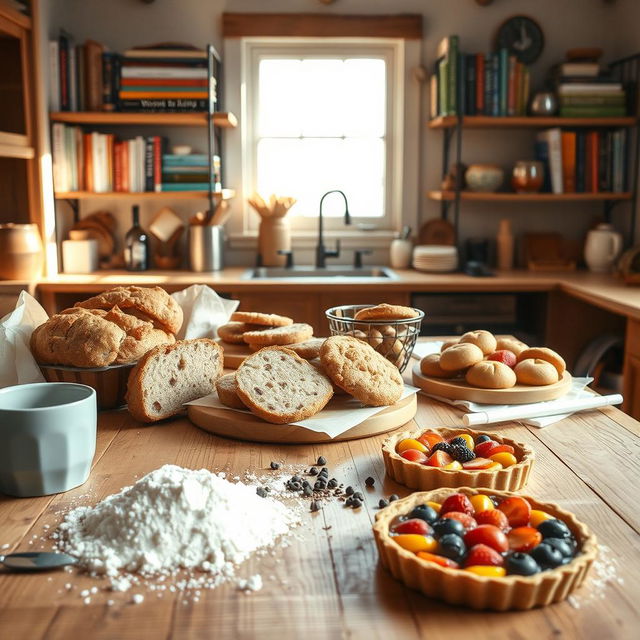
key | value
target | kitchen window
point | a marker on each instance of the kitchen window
(322, 114)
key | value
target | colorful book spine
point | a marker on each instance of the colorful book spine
(480, 80)
(568, 161)
(542, 155)
(503, 80)
(592, 153)
(581, 162)
(185, 186)
(512, 84)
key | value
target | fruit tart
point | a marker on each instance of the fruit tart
(444, 457)
(483, 548)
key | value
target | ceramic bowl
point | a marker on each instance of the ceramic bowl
(484, 178)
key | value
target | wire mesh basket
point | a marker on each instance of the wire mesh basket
(394, 339)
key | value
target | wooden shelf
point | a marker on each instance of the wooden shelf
(145, 195)
(15, 145)
(527, 197)
(526, 122)
(15, 16)
(220, 119)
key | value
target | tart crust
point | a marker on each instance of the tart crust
(459, 587)
(418, 476)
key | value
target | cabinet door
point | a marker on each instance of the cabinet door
(302, 307)
(328, 300)
(631, 383)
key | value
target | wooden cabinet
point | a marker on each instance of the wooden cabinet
(631, 376)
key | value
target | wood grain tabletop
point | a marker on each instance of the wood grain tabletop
(328, 583)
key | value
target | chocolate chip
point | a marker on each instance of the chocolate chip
(382, 503)
(358, 496)
(261, 492)
(307, 492)
(332, 484)
(356, 504)
(349, 490)
(313, 471)
(296, 486)
(324, 472)
(370, 481)
(348, 502)
(305, 484)
(394, 496)
(321, 460)
(275, 465)
(315, 505)
(319, 486)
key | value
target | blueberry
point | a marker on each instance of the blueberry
(522, 564)
(424, 512)
(554, 529)
(480, 439)
(546, 556)
(562, 545)
(448, 526)
(451, 546)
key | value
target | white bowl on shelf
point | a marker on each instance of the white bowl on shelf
(435, 258)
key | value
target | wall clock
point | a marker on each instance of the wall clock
(522, 37)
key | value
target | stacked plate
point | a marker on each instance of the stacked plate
(435, 258)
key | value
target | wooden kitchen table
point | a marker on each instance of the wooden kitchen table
(328, 583)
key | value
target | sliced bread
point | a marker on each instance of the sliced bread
(228, 391)
(279, 386)
(170, 375)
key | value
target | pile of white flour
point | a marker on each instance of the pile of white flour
(171, 519)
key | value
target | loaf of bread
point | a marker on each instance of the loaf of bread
(279, 386)
(153, 304)
(80, 339)
(168, 376)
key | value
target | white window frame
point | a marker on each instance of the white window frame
(241, 56)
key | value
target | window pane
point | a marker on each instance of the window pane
(280, 102)
(307, 168)
(364, 103)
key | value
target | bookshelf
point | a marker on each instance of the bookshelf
(526, 122)
(472, 196)
(225, 120)
(225, 194)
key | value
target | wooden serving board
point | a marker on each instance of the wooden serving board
(245, 426)
(234, 354)
(520, 394)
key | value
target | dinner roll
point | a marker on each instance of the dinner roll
(537, 372)
(460, 356)
(542, 353)
(490, 374)
(483, 339)
(430, 366)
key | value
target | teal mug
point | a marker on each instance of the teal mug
(48, 436)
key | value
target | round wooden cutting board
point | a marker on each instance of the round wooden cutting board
(234, 354)
(460, 390)
(245, 426)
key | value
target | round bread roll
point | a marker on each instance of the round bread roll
(482, 339)
(460, 356)
(537, 372)
(511, 344)
(490, 374)
(449, 343)
(542, 353)
(430, 366)
(375, 338)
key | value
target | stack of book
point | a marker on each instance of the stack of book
(101, 163)
(495, 84)
(583, 161)
(189, 172)
(585, 91)
(160, 79)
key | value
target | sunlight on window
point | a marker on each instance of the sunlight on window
(321, 126)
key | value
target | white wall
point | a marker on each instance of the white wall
(566, 24)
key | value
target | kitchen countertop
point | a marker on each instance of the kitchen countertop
(601, 290)
(328, 582)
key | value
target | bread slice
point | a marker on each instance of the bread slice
(228, 391)
(170, 375)
(279, 386)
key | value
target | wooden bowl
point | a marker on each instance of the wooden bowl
(458, 587)
(418, 476)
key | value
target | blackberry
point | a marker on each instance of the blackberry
(458, 440)
(441, 446)
(461, 453)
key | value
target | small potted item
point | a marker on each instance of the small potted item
(484, 178)
(527, 176)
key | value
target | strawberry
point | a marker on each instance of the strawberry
(457, 502)
(494, 517)
(517, 510)
(414, 525)
(482, 449)
(468, 522)
(414, 455)
(505, 356)
(482, 555)
(500, 448)
(429, 438)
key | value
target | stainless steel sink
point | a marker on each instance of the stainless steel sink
(333, 272)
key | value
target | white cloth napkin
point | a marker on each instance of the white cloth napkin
(577, 391)
(422, 349)
(340, 415)
(17, 365)
(204, 311)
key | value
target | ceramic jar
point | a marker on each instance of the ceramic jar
(21, 251)
(273, 236)
(602, 248)
(485, 178)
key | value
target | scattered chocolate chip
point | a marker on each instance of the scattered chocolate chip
(319, 486)
(356, 504)
(332, 484)
(358, 496)
(382, 503)
(348, 502)
(275, 465)
(296, 486)
(305, 484)
(315, 505)
(394, 496)
(349, 490)
(313, 471)
(261, 492)
(370, 481)
(307, 492)
(324, 472)
(321, 460)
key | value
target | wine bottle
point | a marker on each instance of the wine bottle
(136, 245)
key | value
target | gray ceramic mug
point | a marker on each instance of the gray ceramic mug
(47, 437)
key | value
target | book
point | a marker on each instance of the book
(63, 55)
(541, 153)
(581, 178)
(592, 89)
(149, 164)
(488, 85)
(108, 80)
(593, 100)
(568, 141)
(443, 83)
(434, 110)
(480, 79)
(140, 95)
(604, 166)
(163, 105)
(164, 82)
(582, 69)
(503, 82)
(160, 52)
(185, 186)
(54, 75)
(186, 177)
(470, 82)
(93, 74)
(73, 78)
(190, 160)
(162, 72)
(592, 153)
(512, 87)
(598, 111)
(553, 139)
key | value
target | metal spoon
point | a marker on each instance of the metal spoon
(36, 561)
